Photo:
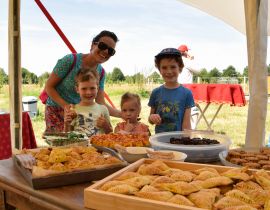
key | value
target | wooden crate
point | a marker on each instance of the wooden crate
(101, 200)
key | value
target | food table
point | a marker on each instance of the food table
(28, 135)
(221, 94)
(15, 191)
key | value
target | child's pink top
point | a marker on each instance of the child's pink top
(139, 128)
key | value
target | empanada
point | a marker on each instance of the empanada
(127, 175)
(149, 188)
(198, 171)
(205, 175)
(185, 176)
(180, 200)
(247, 186)
(216, 181)
(237, 173)
(240, 196)
(111, 184)
(123, 189)
(138, 181)
(182, 188)
(228, 202)
(203, 199)
(159, 196)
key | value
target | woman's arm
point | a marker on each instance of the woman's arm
(186, 120)
(51, 83)
(100, 99)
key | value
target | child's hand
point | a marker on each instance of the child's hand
(103, 123)
(155, 119)
(69, 113)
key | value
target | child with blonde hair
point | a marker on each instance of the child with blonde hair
(87, 116)
(130, 111)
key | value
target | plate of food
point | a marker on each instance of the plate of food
(240, 157)
(66, 139)
(60, 166)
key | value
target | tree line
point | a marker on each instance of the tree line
(117, 75)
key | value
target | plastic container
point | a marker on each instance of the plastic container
(30, 105)
(195, 153)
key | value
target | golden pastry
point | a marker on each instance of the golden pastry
(216, 181)
(185, 176)
(244, 207)
(247, 186)
(237, 173)
(180, 200)
(205, 175)
(182, 188)
(203, 199)
(110, 184)
(127, 175)
(226, 202)
(159, 196)
(198, 171)
(138, 181)
(123, 189)
(161, 179)
(240, 196)
(149, 188)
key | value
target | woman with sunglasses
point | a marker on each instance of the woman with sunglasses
(60, 85)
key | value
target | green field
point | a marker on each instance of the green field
(230, 120)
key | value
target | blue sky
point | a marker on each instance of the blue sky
(144, 27)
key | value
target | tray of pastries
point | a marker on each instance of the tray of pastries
(60, 166)
(125, 140)
(154, 184)
(240, 157)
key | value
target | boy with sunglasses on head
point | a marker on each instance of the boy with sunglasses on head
(87, 116)
(170, 103)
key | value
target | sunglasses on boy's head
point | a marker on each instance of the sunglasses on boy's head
(103, 46)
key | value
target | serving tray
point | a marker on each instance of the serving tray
(68, 178)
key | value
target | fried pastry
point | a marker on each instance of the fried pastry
(180, 200)
(237, 173)
(259, 196)
(198, 171)
(263, 181)
(248, 186)
(149, 188)
(252, 165)
(57, 156)
(216, 181)
(161, 165)
(205, 175)
(110, 184)
(161, 179)
(127, 175)
(58, 167)
(123, 189)
(170, 171)
(185, 176)
(267, 204)
(145, 169)
(244, 207)
(240, 196)
(182, 188)
(138, 181)
(203, 199)
(43, 164)
(226, 202)
(159, 196)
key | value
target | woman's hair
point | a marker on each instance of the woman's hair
(86, 75)
(130, 96)
(103, 34)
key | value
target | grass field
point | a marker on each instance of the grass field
(230, 120)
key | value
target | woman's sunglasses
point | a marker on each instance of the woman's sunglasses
(103, 46)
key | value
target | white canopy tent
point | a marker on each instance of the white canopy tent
(248, 16)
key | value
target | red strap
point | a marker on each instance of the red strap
(56, 27)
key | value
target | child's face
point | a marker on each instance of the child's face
(87, 91)
(130, 111)
(169, 70)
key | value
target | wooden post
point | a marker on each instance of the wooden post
(15, 73)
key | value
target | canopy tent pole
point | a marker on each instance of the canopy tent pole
(256, 12)
(15, 73)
